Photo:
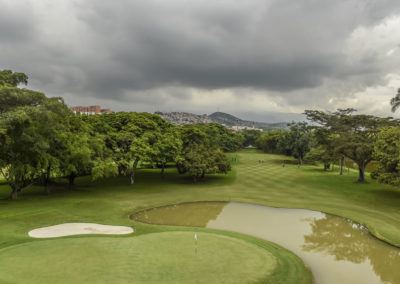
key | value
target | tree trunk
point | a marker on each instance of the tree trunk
(203, 173)
(71, 180)
(341, 165)
(47, 180)
(194, 179)
(361, 176)
(181, 170)
(300, 160)
(14, 194)
(135, 163)
(163, 170)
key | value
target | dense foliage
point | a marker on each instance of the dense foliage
(293, 142)
(41, 139)
(387, 153)
(344, 134)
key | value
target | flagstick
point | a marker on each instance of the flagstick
(195, 238)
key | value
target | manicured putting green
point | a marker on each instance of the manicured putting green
(155, 258)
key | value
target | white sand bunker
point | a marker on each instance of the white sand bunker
(69, 229)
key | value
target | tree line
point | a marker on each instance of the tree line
(332, 137)
(41, 139)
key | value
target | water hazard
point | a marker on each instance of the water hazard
(336, 249)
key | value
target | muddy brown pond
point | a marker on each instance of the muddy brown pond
(336, 249)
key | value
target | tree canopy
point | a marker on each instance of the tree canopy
(348, 134)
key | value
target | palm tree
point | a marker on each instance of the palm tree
(395, 102)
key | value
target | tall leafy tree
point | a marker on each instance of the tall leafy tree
(353, 136)
(299, 137)
(28, 123)
(23, 148)
(387, 153)
(167, 149)
(199, 157)
(130, 137)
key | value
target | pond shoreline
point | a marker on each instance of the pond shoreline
(325, 242)
(372, 232)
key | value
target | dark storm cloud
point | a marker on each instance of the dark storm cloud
(107, 49)
(281, 45)
(14, 28)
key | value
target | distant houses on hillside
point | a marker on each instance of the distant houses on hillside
(89, 110)
(182, 118)
(240, 128)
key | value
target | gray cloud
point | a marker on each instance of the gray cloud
(297, 53)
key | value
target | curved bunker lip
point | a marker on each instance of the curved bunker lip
(336, 249)
(71, 229)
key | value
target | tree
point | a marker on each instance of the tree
(218, 136)
(319, 154)
(272, 141)
(395, 102)
(299, 137)
(387, 153)
(12, 97)
(130, 137)
(56, 128)
(7, 77)
(166, 149)
(28, 123)
(199, 158)
(250, 137)
(353, 136)
(23, 149)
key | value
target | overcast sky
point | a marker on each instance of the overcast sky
(252, 56)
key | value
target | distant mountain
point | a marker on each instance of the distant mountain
(272, 117)
(230, 120)
(182, 118)
(224, 118)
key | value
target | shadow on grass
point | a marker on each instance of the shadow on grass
(145, 179)
(387, 194)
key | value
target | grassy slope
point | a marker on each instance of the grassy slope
(111, 201)
(375, 205)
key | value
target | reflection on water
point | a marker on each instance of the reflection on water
(336, 249)
(347, 241)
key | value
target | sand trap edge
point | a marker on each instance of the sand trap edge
(72, 229)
